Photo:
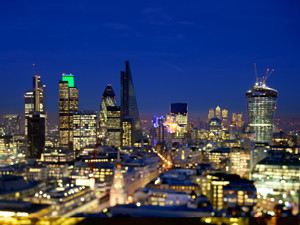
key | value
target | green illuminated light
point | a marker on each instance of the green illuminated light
(69, 78)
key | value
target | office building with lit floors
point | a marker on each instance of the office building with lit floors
(113, 135)
(11, 124)
(261, 105)
(68, 103)
(84, 129)
(129, 109)
(35, 101)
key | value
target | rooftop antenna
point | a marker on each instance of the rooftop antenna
(33, 69)
(255, 71)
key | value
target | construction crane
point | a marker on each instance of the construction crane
(262, 80)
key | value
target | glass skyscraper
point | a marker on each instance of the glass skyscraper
(108, 100)
(261, 104)
(129, 109)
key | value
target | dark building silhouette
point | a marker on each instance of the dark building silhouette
(129, 109)
(36, 135)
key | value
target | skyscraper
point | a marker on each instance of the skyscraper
(11, 124)
(35, 118)
(68, 103)
(108, 99)
(36, 134)
(261, 105)
(218, 112)
(35, 101)
(158, 130)
(225, 118)
(113, 134)
(129, 109)
(211, 114)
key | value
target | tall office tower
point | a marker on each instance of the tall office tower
(36, 134)
(108, 99)
(158, 130)
(11, 124)
(113, 134)
(225, 118)
(35, 101)
(129, 109)
(84, 129)
(218, 112)
(126, 132)
(68, 103)
(211, 114)
(261, 105)
(237, 120)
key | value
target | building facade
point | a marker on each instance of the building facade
(261, 105)
(68, 103)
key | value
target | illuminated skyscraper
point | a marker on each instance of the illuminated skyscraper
(113, 134)
(84, 129)
(68, 103)
(211, 114)
(158, 130)
(225, 118)
(35, 100)
(218, 112)
(129, 109)
(108, 99)
(237, 120)
(261, 104)
(11, 124)
(35, 118)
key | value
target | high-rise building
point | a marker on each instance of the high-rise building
(218, 112)
(36, 134)
(113, 135)
(211, 114)
(225, 121)
(84, 129)
(237, 120)
(129, 109)
(158, 130)
(108, 99)
(261, 105)
(68, 103)
(11, 124)
(126, 135)
(35, 101)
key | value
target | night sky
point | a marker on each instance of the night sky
(198, 52)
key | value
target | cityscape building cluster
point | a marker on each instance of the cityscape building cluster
(108, 163)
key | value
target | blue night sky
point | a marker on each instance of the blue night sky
(198, 52)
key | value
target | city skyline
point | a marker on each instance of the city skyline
(212, 47)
